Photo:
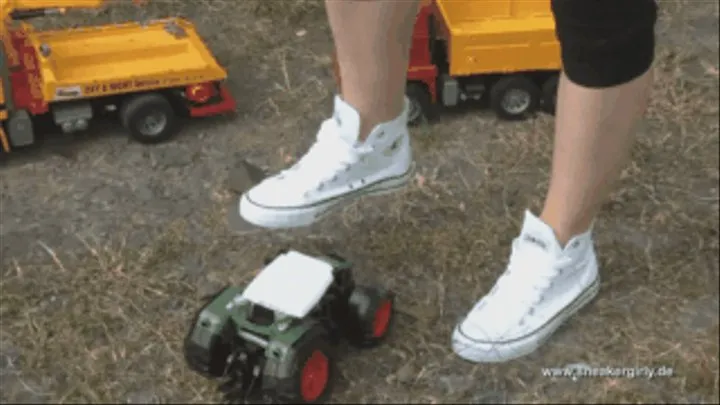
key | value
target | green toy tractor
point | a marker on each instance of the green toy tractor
(276, 335)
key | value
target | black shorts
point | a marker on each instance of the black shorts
(605, 43)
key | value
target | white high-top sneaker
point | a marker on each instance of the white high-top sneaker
(336, 169)
(544, 284)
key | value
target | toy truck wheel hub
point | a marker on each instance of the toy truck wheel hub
(415, 111)
(516, 101)
(153, 124)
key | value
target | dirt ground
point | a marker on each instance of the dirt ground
(108, 245)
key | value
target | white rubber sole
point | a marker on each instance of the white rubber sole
(267, 217)
(485, 352)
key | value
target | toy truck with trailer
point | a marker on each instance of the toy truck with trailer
(149, 74)
(275, 336)
(503, 51)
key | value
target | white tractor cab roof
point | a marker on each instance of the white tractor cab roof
(292, 284)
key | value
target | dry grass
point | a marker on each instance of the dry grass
(97, 292)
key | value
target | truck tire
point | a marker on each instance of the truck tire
(515, 97)
(421, 106)
(370, 317)
(549, 94)
(149, 118)
(314, 372)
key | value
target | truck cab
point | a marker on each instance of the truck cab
(5, 95)
(4, 114)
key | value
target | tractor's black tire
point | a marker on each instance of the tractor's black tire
(549, 94)
(504, 96)
(149, 118)
(371, 316)
(290, 389)
(422, 109)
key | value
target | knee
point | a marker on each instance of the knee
(605, 43)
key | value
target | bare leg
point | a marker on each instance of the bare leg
(593, 138)
(553, 269)
(364, 148)
(607, 48)
(372, 39)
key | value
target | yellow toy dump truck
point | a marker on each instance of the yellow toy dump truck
(470, 49)
(465, 49)
(148, 74)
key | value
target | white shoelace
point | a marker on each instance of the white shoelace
(530, 273)
(328, 156)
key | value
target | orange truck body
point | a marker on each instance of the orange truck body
(498, 36)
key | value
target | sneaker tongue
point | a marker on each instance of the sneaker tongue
(348, 121)
(538, 234)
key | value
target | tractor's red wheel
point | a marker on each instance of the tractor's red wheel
(314, 376)
(382, 318)
(307, 374)
(371, 316)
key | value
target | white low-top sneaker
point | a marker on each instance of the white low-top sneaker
(543, 285)
(337, 168)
